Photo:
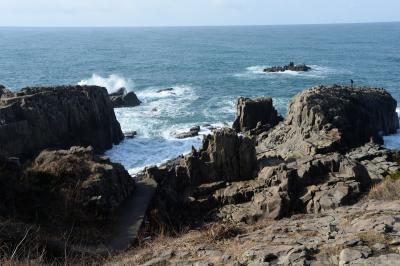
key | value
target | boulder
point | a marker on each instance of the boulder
(34, 119)
(75, 184)
(124, 100)
(338, 118)
(291, 67)
(255, 113)
(193, 132)
(166, 89)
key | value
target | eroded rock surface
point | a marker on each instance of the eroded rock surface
(122, 98)
(72, 184)
(351, 235)
(325, 119)
(255, 115)
(34, 119)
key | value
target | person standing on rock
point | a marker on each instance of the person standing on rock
(352, 83)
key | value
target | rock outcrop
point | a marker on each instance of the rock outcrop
(304, 165)
(291, 66)
(73, 184)
(185, 185)
(34, 119)
(121, 98)
(325, 119)
(255, 115)
(193, 132)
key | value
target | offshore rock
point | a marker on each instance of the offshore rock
(122, 99)
(291, 67)
(34, 119)
(255, 113)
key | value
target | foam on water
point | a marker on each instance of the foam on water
(112, 82)
(157, 120)
(393, 141)
(256, 72)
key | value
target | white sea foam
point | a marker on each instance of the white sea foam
(112, 83)
(156, 121)
(255, 72)
(393, 141)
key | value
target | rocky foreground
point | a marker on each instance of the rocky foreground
(314, 188)
(309, 171)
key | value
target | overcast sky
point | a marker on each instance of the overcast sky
(193, 12)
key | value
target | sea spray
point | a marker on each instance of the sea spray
(112, 83)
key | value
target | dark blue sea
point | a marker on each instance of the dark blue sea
(208, 67)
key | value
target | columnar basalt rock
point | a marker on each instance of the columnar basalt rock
(301, 163)
(255, 114)
(34, 119)
(326, 119)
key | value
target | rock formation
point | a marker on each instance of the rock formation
(258, 115)
(326, 119)
(74, 185)
(34, 119)
(121, 98)
(302, 164)
(291, 66)
(193, 132)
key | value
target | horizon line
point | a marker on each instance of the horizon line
(200, 26)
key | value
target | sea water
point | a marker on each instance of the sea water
(207, 67)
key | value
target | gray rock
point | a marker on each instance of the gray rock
(57, 117)
(254, 114)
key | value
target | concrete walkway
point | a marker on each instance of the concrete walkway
(130, 215)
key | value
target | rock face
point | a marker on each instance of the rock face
(75, 184)
(121, 98)
(304, 165)
(255, 113)
(56, 117)
(325, 119)
(185, 186)
(291, 67)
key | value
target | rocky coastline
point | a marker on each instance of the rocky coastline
(313, 188)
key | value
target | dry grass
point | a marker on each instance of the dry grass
(389, 189)
(372, 237)
(216, 234)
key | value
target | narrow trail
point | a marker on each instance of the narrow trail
(130, 215)
(126, 226)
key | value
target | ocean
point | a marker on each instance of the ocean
(208, 68)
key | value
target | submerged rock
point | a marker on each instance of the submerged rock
(255, 113)
(34, 119)
(166, 89)
(291, 66)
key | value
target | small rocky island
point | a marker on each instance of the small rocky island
(291, 67)
(313, 188)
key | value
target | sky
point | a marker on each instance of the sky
(194, 12)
